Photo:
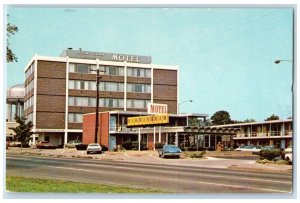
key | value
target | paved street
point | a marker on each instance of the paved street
(168, 178)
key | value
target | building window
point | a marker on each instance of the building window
(82, 85)
(111, 102)
(143, 88)
(82, 101)
(81, 68)
(113, 70)
(75, 117)
(137, 103)
(139, 72)
(112, 86)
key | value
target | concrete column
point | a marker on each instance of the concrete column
(159, 134)
(139, 139)
(33, 139)
(167, 138)
(154, 137)
(282, 129)
(271, 142)
(176, 139)
(208, 140)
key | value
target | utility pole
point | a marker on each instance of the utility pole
(97, 103)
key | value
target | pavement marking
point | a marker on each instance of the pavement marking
(174, 179)
(62, 151)
(126, 154)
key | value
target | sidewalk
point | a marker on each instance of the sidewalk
(221, 160)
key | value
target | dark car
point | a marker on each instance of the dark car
(44, 145)
(169, 151)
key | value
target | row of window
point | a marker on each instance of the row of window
(30, 70)
(110, 70)
(29, 86)
(108, 102)
(109, 86)
(29, 102)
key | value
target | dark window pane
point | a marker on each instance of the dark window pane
(83, 68)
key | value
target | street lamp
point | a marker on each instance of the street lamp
(189, 100)
(97, 101)
(279, 61)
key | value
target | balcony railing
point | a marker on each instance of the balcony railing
(265, 134)
(121, 129)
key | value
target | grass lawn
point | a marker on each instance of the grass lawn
(22, 184)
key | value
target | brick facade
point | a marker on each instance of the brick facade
(89, 129)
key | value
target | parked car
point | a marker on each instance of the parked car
(72, 144)
(169, 150)
(248, 149)
(94, 148)
(44, 145)
(15, 144)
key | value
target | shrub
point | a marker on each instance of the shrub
(270, 154)
(135, 145)
(264, 161)
(285, 162)
(198, 154)
(127, 145)
(104, 148)
(159, 145)
(191, 149)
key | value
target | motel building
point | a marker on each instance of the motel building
(60, 90)
(277, 133)
(116, 127)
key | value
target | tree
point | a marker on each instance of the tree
(23, 130)
(249, 120)
(199, 122)
(272, 117)
(11, 30)
(221, 118)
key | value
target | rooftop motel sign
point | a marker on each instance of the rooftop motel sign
(128, 58)
(148, 120)
(157, 108)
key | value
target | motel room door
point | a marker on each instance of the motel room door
(112, 142)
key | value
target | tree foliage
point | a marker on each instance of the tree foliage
(272, 117)
(249, 120)
(221, 118)
(23, 130)
(11, 30)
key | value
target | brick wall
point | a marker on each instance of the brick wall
(50, 120)
(51, 90)
(165, 88)
(88, 135)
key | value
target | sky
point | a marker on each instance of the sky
(225, 55)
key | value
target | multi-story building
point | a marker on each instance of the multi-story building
(59, 90)
(275, 132)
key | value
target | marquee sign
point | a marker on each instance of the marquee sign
(148, 120)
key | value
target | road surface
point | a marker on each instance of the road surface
(167, 178)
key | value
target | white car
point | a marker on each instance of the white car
(94, 148)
